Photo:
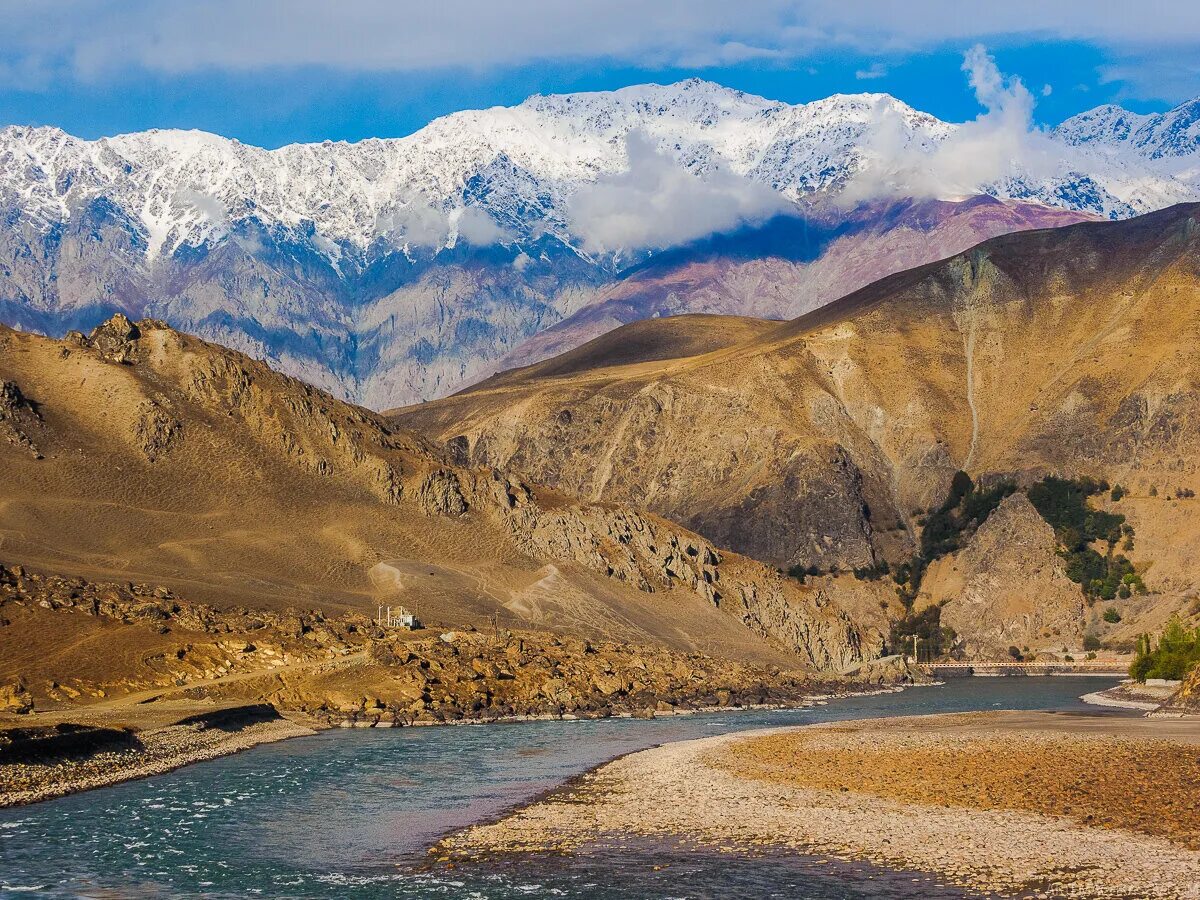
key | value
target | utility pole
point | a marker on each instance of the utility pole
(915, 658)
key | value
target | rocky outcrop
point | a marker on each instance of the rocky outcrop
(156, 430)
(115, 339)
(440, 494)
(652, 554)
(20, 421)
(1186, 700)
(480, 675)
(1008, 587)
(15, 698)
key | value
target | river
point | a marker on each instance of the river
(350, 813)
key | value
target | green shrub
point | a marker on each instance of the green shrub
(1015, 653)
(1112, 616)
(800, 572)
(1063, 503)
(1091, 642)
(1178, 651)
(872, 573)
(1117, 493)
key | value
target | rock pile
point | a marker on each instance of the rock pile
(473, 675)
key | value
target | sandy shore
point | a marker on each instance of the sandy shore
(1050, 804)
(163, 749)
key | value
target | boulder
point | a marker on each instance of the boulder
(14, 698)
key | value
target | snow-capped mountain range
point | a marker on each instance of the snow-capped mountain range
(394, 270)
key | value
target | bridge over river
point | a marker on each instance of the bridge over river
(952, 669)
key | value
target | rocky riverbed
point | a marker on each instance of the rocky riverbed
(1044, 804)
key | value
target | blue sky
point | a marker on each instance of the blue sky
(270, 72)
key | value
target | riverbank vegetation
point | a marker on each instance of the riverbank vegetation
(923, 633)
(1175, 655)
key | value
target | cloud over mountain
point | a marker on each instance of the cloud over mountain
(656, 203)
(399, 269)
(1002, 142)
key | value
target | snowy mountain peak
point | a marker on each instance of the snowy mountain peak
(517, 168)
(1160, 136)
(391, 270)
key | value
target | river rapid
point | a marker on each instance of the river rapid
(352, 812)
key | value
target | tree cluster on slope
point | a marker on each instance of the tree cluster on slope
(1063, 503)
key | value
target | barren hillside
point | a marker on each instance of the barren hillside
(820, 442)
(142, 454)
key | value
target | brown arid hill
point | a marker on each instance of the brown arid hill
(844, 251)
(818, 442)
(140, 454)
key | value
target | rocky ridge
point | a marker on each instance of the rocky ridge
(347, 669)
(1008, 586)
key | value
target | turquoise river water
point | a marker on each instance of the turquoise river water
(351, 812)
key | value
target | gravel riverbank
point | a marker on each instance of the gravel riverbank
(162, 749)
(1047, 804)
(1131, 695)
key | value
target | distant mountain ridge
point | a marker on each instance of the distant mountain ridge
(396, 270)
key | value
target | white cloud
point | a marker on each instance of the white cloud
(92, 37)
(206, 204)
(656, 203)
(877, 70)
(979, 152)
(417, 224)
(476, 227)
